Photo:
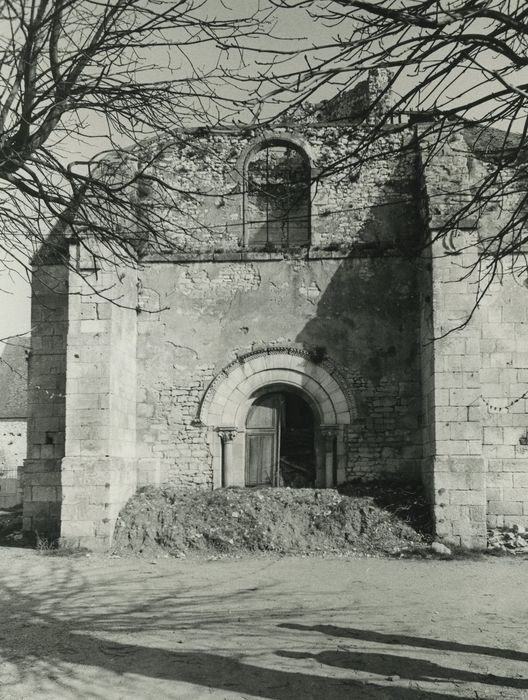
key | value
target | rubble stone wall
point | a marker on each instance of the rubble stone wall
(439, 389)
(360, 313)
(353, 297)
(370, 205)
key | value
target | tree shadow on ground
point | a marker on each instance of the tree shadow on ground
(60, 630)
(224, 673)
(410, 668)
(406, 640)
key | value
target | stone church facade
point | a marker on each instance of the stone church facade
(294, 335)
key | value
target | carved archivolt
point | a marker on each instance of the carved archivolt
(230, 394)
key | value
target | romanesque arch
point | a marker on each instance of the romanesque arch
(228, 399)
(277, 182)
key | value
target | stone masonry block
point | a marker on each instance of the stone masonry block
(465, 431)
(95, 326)
(516, 494)
(520, 480)
(510, 520)
(511, 508)
(77, 528)
(499, 479)
(493, 494)
(477, 514)
(466, 497)
(83, 512)
(460, 480)
(493, 435)
(44, 494)
(456, 449)
(462, 397)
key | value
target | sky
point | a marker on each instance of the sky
(14, 283)
(15, 294)
(15, 289)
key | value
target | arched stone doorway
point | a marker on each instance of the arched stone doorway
(228, 402)
(281, 441)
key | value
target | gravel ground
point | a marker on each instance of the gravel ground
(261, 627)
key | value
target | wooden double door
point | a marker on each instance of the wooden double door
(280, 442)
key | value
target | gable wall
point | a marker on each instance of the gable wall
(353, 298)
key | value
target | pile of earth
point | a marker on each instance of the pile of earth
(357, 519)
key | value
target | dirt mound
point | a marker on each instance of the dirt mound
(281, 520)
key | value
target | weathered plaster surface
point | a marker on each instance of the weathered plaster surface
(362, 313)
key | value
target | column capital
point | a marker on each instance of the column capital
(329, 431)
(227, 434)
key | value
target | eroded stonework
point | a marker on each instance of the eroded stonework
(336, 302)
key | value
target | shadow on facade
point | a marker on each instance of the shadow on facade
(368, 320)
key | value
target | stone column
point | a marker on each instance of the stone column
(227, 435)
(329, 433)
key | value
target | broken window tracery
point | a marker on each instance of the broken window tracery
(277, 202)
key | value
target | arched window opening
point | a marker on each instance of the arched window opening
(277, 203)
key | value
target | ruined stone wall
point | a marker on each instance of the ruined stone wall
(454, 467)
(362, 313)
(369, 205)
(81, 465)
(353, 296)
(459, 496)
(427, 364)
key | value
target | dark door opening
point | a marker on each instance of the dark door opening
(280, 442)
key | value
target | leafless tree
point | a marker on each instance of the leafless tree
(456, 67)
(73, 72)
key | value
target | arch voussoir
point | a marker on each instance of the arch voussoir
(225, 400)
